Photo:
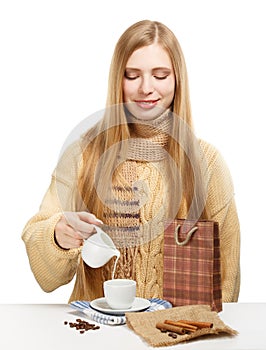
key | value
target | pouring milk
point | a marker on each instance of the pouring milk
(98, 249)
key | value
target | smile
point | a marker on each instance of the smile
(146, 103)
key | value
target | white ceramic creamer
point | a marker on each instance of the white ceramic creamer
(98, 249)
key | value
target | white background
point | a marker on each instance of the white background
(55, 58)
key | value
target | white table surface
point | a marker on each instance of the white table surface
(40, 327)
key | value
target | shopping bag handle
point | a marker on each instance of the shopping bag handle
(185, 241)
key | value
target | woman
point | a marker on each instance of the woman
(137, 167)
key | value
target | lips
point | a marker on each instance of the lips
(146, 103)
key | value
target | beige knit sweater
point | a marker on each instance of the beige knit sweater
(54, 267)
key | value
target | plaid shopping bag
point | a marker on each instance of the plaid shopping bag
(192, 263)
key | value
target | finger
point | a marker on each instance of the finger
(84, 228)
(80, 221)
(67, 230)
(76, 234)
(67, 238)
(89, 218)
(87, 235)
(70, 242)
(63, 228)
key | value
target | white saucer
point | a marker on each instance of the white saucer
(101, 305)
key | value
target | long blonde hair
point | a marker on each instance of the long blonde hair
(112, 131)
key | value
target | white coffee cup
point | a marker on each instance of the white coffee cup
(119, 293)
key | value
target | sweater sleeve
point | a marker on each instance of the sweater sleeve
(51, 265)
(221, 204)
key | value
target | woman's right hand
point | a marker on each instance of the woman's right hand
(73, 228)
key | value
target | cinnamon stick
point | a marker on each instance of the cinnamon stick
(197, 323)
(185, 326)
(170, 328)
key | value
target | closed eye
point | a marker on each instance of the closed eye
(131, 77)
(160, 78)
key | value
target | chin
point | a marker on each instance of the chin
(145, 113)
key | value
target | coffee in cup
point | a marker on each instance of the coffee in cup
(119, 293)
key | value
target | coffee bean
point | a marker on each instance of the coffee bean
(82, 325)
(163, 330)
(173, 335)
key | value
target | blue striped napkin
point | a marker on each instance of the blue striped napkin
(97, 316)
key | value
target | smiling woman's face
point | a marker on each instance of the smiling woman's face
(149, 82)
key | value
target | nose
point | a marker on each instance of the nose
(146, 86)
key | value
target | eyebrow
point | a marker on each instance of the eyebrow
(154, 70)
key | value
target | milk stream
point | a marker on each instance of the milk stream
(116, 260)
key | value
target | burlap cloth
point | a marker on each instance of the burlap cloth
(144, 324)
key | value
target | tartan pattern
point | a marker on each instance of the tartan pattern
(192, 272)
